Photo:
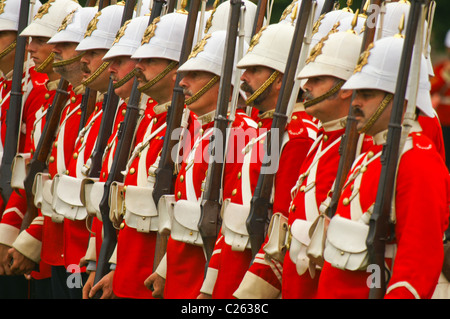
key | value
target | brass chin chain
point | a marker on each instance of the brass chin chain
(157, 78)
(44, 64)
(202, 91)
(325, 96)
(8, 49)
(125, 79)
(95, 75)
(68, 61)
(262, 88)
(377, 113)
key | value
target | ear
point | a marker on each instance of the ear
(278, 82)
(345, 94)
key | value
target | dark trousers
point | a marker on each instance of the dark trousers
(67, 285)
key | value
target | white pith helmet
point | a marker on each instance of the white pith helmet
(388, 26)
(9, 14)
(208, 55)
(270, 47)
(163, 38)
(378, 69)
(102, 29)
(74, 25)
(335, 55)
(48, 19)
(326, 22)
(286, 15)
(129, 37)
(219, 18)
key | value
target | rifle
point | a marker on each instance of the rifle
(328, 6)
(125, 136)
(165, 172)
(87, 106)
(260, 203)
(349, 141)
(38, 162)
(211, 202)
(13, 117)
(379, 223)
(259, 19)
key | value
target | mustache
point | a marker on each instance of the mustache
(84, 68)
(307, 95)
(247, 88)
(140, 75)
(187, 92)
(357, 112)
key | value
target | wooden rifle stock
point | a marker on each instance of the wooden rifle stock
(211, 203)
(379, 224)
(165, 171)
(13, 117)
(260, 14)
(125, 137)
(260, 203)
(328, 6)
(38, 162)
(349, 141)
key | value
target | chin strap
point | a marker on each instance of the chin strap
(262, 88)
(325, 96)
(68, 61)
(8, 49)
(157, 78)
(95, 75)
(377, 113)
(125, 79)
(202, 91)
(46, 62)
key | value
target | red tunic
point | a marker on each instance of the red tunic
(186, 262)
(232, 265)
(418, 236)
(135, 249)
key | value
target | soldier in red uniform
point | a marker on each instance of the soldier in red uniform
(158, 57)
(122, 69)
(274, 273)
(414, 252)
(440, 94)
(263, 74)
(184, 264)
(26, 248)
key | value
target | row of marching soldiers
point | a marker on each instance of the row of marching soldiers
(306, 253)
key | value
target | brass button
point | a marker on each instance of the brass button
(179, 195)
(234, 192)
(239, 175)
(75, 155)
(259, 124)
(293, 208)
(47, 96)
(5, 86)
(122, 225)
(325, 138)
(155, 120)
(181, 178)
(132, 170)
(346, 201)
(55, 144)
(104, 174)
(124, 112)
(51, 159)
(73, 99)
(302, 189)
(363, 169)
(294, 117)
(370, 155)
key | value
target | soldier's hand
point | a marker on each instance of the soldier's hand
(5, 260)
(21, 265)
(88, 285)
(106, 286)
(156, 284)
